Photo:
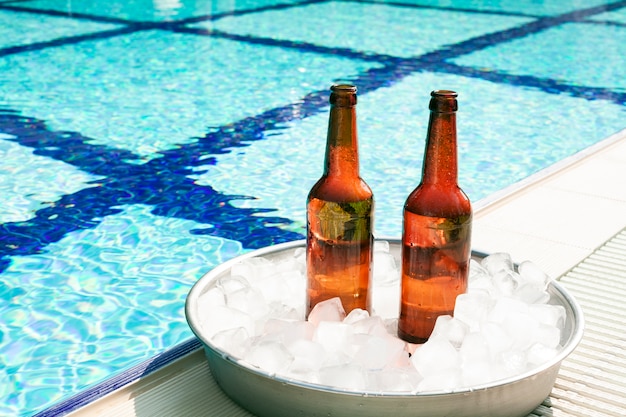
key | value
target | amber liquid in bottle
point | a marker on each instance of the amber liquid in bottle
(340, 209)
(436, 231)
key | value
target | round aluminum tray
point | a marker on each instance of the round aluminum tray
(271, 396)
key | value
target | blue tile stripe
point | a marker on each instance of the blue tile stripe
(443, 8)
(161, 183)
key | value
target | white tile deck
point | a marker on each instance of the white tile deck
(559, 216)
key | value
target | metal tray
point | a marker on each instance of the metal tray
(270, 396)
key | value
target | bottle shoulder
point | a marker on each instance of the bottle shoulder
(438, 201)
(341, 189)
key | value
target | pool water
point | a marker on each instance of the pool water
(144, 142)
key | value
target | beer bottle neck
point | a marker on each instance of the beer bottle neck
(341, 148)
(440, 158)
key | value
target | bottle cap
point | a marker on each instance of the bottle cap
(343, 95)
(443, 101)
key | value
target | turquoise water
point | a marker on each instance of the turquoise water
(144, 142)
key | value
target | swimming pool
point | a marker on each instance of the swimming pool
(145, 143)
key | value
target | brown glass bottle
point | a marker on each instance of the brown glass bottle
(340, 209)
(436, 230)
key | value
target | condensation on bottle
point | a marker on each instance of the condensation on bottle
(436, 232)
(340, 208)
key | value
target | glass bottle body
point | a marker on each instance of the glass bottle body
(437, 222)
(435, 266)
(340, 209)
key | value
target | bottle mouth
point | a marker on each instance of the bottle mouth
(343, 95)
(444, 93)
(443, 101)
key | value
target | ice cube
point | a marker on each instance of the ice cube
(275, 288)
(505, 282)
(350, 377)
(497, 338)
(549, 336)
(435, 356)
(533, 284)
(384, 269)
(506, 306)
(219, 318)
(232, 283)
(307, 355)
(474, 349)
(333, 336)
(287, 331)
(513, 362)
(374, 326)
(300, 330)
(451, 329)
(499, 261)
(285, 312)
(386, 301)
(235, 342)
(380, 352)
(253, 269)
(549, 314)
(396, 380)
(249, 300)
(211, 298)
(476, 372)
(446, 380)
(328, 310)
(540, 354)
(531, 274)
(482, 284)
(531, 294)
(472, 309)
(381, 246)
(273, 357)
(476, 271)
(522, 328)
(356, 315)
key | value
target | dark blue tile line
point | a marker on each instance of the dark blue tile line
(297, 45)
(604, 23)
(547, 85)
(68, 40)
(444, 8)
(133, 374)
(241, 12)
(491, 39)
(169, 191)
(58, 13)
